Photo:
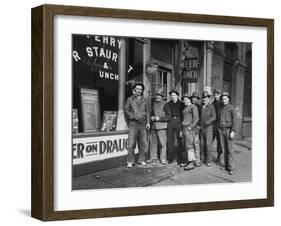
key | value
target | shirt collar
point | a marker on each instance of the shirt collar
(136, 97)
(207, 105)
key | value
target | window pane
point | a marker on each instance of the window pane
(165, 78)
(95, 67)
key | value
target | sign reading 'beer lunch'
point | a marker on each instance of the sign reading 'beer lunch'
(190, 71)
(90, 149)
(99, 53)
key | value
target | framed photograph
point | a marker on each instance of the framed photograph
(141, 112)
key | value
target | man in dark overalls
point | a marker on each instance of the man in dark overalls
(174, 127)
(208, 117)
(227, 127)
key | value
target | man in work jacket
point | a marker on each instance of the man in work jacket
(217, 104)
(174, 128)
(190, 120)
(208, 117)
(136, 110)
(195, 99)
(227, 127)
(159, 116)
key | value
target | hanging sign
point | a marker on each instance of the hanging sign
(151, 68)
(190, 70)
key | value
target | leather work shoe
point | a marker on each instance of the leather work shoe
(129, 164)
(218, 162)
(197, 164)
(189, 166)
(143, 163)
(152, 161)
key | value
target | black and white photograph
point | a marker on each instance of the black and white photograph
(160, 112)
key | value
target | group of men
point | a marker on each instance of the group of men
(183, 129)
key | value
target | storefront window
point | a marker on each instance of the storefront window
(160, 82)
(95, 80)
(98, 68)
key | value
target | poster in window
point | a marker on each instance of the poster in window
(75, 126)
(90, 109)
(109, 121)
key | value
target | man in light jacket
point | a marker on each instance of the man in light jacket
(208, 117)
(136, 110)
(159, 116)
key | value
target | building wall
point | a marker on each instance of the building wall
(218, 66)
(229, 73)
(223, 66)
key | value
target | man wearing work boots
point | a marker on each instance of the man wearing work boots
(159, 116)
(174, 127)
(136, 110)
(227, 124)
(217, 104)
(208, 116)
(190, 119)
(195, 100)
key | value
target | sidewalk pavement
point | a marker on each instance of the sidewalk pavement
(156, 174)
(246, 143)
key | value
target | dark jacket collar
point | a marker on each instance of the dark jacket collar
(226, 106)
(178, 101)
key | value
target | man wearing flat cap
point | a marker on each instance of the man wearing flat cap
(136, 110)
(174, 128)
(217, 104)
(208, 117)
(159, 117)
(195, 100)
(226, 127)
